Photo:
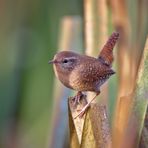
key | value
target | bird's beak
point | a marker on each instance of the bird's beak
(52, 62)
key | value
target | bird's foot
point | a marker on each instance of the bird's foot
(76, 99)
(82, 112)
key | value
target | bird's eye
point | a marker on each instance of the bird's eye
(65, 61)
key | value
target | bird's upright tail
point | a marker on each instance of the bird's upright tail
(106, 54)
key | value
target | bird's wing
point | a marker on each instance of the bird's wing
(95, 70)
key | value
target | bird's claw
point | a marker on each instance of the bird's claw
(82, 111)
(76, 99)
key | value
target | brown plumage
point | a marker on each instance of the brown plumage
(85, 73)
(80, 72)
(106, 54)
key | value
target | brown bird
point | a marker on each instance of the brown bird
(85, 73)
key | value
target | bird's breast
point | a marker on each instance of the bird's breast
(62, 76)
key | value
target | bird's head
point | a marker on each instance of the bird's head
(64, 62)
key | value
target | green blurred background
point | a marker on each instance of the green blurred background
(30, 34)
(28, 39)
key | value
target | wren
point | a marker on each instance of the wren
(85, 73)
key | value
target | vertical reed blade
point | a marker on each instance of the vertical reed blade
(68, 39)
(106, 54)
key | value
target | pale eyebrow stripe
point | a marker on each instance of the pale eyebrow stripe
(70, 58)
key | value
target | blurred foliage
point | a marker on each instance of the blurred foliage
(28, 39)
